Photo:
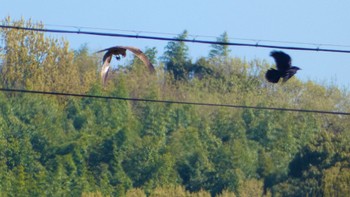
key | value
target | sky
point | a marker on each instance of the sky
(316, 23)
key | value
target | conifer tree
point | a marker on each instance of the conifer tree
(176, 58)
(219, 50)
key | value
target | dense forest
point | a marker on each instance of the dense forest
(71, 146)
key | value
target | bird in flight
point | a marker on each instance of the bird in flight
(119, 51)
(284, 67)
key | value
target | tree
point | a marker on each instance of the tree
(321, 168)
(220, 50)
(202, 69)
(86, 66)
(176, 59)
(151, 54)
(192, 162)
(34, 61)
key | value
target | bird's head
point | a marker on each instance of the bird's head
(295, 68)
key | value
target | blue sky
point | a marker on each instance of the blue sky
(318, 22)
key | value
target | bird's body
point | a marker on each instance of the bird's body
(121, 51)
(284, 67)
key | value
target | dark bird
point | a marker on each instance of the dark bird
(119, 51)
(284, 67)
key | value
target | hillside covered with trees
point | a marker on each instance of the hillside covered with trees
(71, 146)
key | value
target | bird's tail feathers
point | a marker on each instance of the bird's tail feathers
(272, 75)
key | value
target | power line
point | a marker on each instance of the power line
(196, 35)
(255, 40)
(173, 102)
(172, 39)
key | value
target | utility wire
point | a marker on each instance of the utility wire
(172, 39)
(172, 102)
(190, 35)
(196, 35)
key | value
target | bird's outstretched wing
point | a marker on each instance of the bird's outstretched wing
(142, 57)
(105, 67)
(283, 60)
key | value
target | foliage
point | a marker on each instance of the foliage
(32, 60)
(176, 59)
(219, 49)
(58, 146)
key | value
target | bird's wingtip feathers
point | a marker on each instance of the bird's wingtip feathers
(101, 51)
(274, 53)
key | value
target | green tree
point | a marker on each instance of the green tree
(202, 69)
(321, 163)
(336, 180)
(34, 61)
(151, 54)
(220, 50)
(85, 65)
(192, 160)
(176, 59)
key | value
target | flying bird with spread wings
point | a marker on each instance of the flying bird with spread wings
(119, 51)
(284, 67)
